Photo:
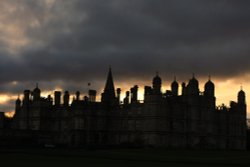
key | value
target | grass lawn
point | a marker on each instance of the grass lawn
(120, 158)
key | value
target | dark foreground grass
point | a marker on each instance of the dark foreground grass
(120, 158)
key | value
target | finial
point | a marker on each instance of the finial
(110, 67)
(174, 78)
(209, 77)
(193, 75)
(18, 96)
(241, 87)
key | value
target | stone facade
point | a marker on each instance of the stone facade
(189, 119)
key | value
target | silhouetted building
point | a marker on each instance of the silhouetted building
(187, 120)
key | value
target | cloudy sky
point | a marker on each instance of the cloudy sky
(65, 44)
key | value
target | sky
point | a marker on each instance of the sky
(64, 45)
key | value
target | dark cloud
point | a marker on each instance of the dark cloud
(77, 40)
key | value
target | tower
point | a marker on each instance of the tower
(209, 88)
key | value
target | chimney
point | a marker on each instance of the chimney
(66, 98)
(57, 98)
(92, 95)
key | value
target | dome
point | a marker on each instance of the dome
(77, 93)
(241, 97)
(36, 90)
(174, 84)
(157, 80)
(209, 85)
(241, 93)
(193, 82)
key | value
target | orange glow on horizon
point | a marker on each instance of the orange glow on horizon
(4, 98)
(9, 114)
(225, 91)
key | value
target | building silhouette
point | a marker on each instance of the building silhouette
(189, 119)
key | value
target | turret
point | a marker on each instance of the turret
(209, 94)
(209, 88)
(18, 104)
(147, 90)
(50, 100)
(86, 99)
(174, 87)
(118, 92)
(36, 93)
(157, 84)
(193, 87)
(26, 98)
(241, 97)
(126, 99)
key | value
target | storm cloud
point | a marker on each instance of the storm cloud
(71, 42)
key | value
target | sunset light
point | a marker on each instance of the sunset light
(144, 74)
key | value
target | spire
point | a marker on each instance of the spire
(175, 83)
(36, 93)
(109, 89)
(36, 89)
(18, 99)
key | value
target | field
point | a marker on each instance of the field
(122, 158)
